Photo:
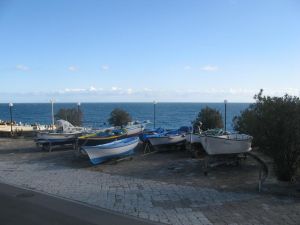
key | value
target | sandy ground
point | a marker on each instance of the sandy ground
(175, 166)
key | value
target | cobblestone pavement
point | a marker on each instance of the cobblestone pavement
(154, 200)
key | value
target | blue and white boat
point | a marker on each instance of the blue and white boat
(115, 149)
(173, 137)
(151, 133)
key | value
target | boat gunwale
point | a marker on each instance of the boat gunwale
(228, 139)
(111, 144)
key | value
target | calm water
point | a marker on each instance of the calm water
(168, 115)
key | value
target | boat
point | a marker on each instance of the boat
(196, 137)
(167, 139)
(102, 137)
(226, 144)
(135, 128)
(150, 133)
(132, 129)
(65, 133)
(115, 149)
(173, 137)
(219, 142)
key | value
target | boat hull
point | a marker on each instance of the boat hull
(225, 145)
(193, 138)
(94, 140)
(167, 140)
(101, 153)
(134, 131)
(56, 138)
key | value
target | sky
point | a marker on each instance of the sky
(146, 50)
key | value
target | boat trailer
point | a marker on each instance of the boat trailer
(211, 161)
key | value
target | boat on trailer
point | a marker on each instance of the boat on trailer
(167, 139)
(136, 127)
(112, 134)
(115, 149)
(151, 133)
(219, 142)
(65, 133)
(173, 137)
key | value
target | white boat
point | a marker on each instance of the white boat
(197, 137)
(115, 149)
(167, 139)
(46, 137)
(224, 144)
(135, 128)
(193, 138)
(64, 133)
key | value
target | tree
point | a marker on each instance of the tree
(274, 122)
(210, 119)
(119, 117)
(73, 115)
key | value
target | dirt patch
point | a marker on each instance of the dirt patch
(175, 166)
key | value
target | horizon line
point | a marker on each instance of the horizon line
(142, 102)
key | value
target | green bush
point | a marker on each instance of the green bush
(73, 115)
(119, 117)
(274, 122)
(210, 119)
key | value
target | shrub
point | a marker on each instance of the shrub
(274, 122)
(119, 117)
(73, 115)
(210, 119)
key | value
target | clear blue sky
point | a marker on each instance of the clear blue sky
(141, 50)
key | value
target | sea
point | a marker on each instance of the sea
(95, 115)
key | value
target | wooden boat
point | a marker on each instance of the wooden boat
(135, 128)
(115, 149)
(56, 138)
(151, 133)
(101, 137)
(173, 137)
(167, 139)
(218, 142)
(196, 137)
(226, 144)
(65, 133)
(131, 130)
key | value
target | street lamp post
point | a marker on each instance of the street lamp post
(52, 112)
(11, 120)
(78, 110)
(225, 105)
(154, 113)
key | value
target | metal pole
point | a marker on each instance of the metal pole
(11, 120)
(78, 117)
(154, 113)
(225, 104)
(52, 101)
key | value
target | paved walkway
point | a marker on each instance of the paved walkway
(153, 200)
(22, 206)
